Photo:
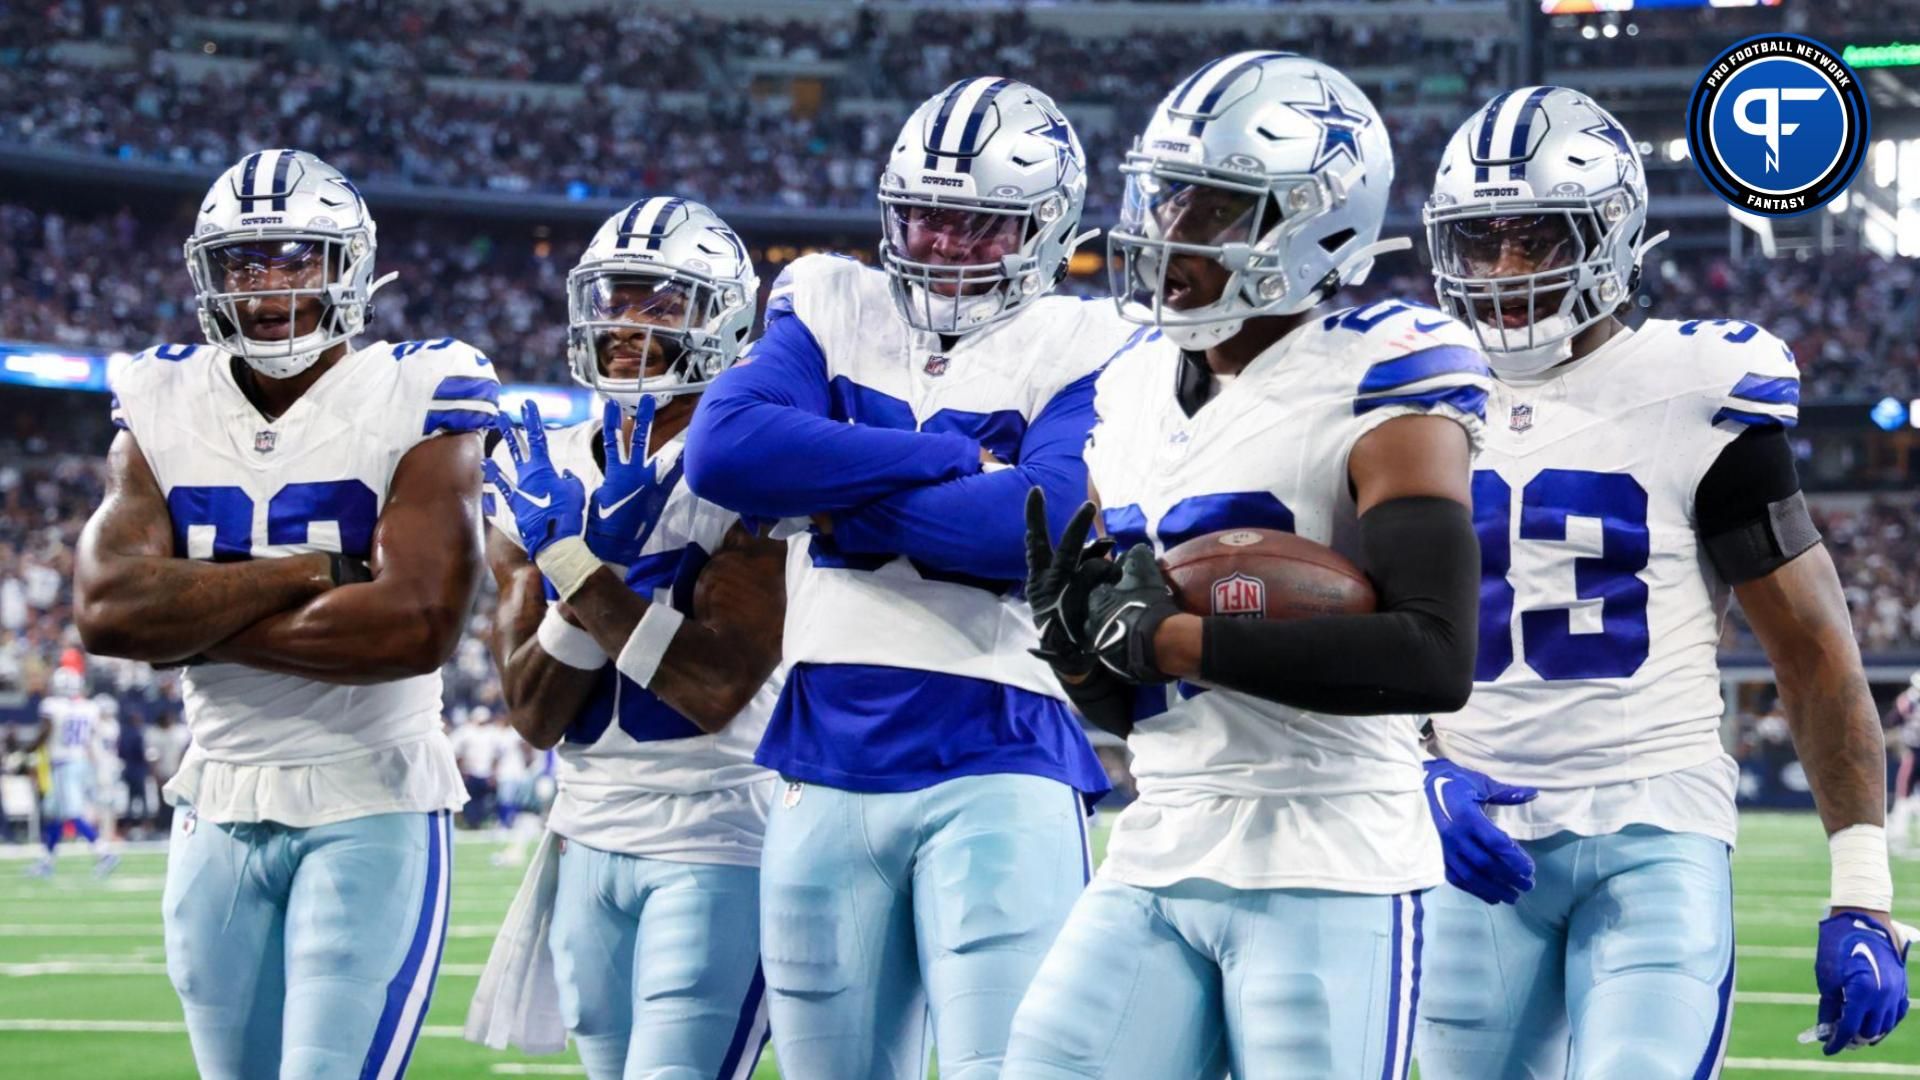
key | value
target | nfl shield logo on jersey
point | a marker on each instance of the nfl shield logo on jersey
(1521, 419)
(1240, 594)
(936, 366)
(263, 441)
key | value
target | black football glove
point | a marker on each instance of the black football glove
(1058, 580)
(1123, 615)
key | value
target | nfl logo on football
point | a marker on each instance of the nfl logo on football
(263, 441)
(1240, 594)
(1521, 418)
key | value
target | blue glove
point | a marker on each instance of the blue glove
(547, 506)
(1480, 858)
(627, 504)
(1862, 975)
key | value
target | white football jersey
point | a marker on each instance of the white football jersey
(1234, 788)
(1600, 613)
(990, 385)
(637, 777)
(239, 485)
(75, 728)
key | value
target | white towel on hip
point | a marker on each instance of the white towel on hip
(518, 1000)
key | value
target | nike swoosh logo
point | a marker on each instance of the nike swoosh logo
(1440, 798)
(1428, 328)
(615, 508)
(542, 502)
(1860, 949)
(1111, 633)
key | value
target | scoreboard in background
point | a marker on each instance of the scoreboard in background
(1589, 7)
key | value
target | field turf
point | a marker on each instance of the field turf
(84, 993)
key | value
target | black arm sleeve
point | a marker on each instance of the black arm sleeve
(1749, 508)
(1414, 655)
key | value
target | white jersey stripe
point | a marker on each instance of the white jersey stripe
(408, 1028)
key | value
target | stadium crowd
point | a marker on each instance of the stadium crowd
(496, 98)
(116, 282)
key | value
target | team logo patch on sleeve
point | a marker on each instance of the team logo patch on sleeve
(1778, 124)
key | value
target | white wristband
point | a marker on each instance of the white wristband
(640, 657)
(1861, 878)
(568, 643)
(568, 564)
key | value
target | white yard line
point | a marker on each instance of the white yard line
(1821, 1065)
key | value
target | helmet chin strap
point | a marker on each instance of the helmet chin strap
(1364, 257)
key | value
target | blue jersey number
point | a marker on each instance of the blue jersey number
(1548, 642)
(349, 505)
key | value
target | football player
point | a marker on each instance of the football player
(1259, 908)
(298, 518)
(636, 633)
(69, 732)
(931, 834)
(1631, 477)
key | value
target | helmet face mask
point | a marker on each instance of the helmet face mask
(274, 297)
(282, 261)
(660, 303)
(1527, 279)
(980, 204)
(647, 333)
(1175, 216)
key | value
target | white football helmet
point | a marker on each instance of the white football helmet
(1273, 165)
(1536, 224)
(980, 203)
(282, 225)
(662, 271)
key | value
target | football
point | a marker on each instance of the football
(1265, 573)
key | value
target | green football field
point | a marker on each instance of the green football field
(84, 994)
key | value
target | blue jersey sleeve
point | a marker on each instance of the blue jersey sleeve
(763, 441)
(976, 525)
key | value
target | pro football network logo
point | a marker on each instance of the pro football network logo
(1240, 594)
(1778, 124)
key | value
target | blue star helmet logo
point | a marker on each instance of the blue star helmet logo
(1339, 126)
(1608, 131)
(1054, 129)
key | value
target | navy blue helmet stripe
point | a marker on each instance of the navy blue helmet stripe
(1180, 94)
(658, 230)
(246, 181)
(280, 168)
(1220, 88)
(975, 119)
(940, 121)
(1484, 147)
(626, 223)
(1517, 150)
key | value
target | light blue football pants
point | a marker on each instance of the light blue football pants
(877, 907)
(1195, 979)
(659, 966)
(307, 953)
(1617, 966)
